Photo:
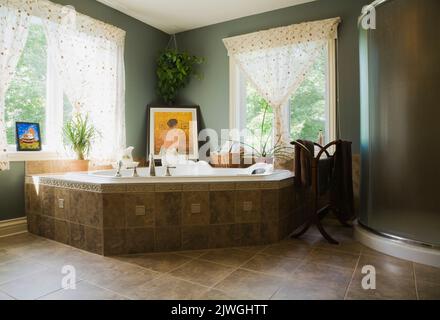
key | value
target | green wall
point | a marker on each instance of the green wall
(212, 93)
(141, 48)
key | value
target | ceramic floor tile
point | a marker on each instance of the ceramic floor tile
(324, 275)
(84, 291)
(387, 266)
(168, 288)
(303, 289)
(254, 249)
(35, 248)
(250, 285)
(202, 272)
(427, 273)
(274, 265)
(349, 246)
(20, 240)
(304, 240)
(157, 262)
(4, 296)
(34, 285)
(305, 268)
(191, 254)
(214, 294)
(288, 249)
(229, 257)
(387, 288)
(428, 290)
(18, 268)
(333, 258)
(6, 256)
(121, 278)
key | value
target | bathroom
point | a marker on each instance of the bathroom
(190, 180)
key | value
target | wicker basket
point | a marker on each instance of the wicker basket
(231, 160)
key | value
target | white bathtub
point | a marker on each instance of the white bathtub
(182, 173)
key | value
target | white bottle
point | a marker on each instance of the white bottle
(321, 138)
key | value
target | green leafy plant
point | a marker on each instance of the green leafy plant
(264, 148)
(174, 71)
(80, 133)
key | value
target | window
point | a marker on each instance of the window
(26, 96)
(61, 62)
(311, 108)
(35, 93)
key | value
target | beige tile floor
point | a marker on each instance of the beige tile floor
(30, 268)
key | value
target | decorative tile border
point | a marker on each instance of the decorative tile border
(158, 187)
(83, 186)
(140, 187)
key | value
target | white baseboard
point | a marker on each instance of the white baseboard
(12, 227)
(397, 249)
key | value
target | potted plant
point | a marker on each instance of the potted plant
(79, 133)
(174, 71)
(265, 152)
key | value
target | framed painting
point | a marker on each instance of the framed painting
(173, 128)
(28, 136)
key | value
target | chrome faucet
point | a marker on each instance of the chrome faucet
(168, 173)
(135, 173)
(118, 172)
(152, 166)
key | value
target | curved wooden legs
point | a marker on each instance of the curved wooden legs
(325, 234)
(321, 229)
(304, 229)
(316, 220)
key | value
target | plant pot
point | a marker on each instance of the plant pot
(77, 165)
(80, 156)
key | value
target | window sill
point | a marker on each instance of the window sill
(18, 156)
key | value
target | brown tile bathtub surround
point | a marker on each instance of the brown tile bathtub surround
(114, 210)
(167, 239)
(139, 240)
(146, 200)
(48, 200)
(248, 206)
(169, 207)
(224, 235)
(62, 231)
(269, 204)
(222, 206)
(64, 212)
(162, 217)
(195, 208)
(195, 237)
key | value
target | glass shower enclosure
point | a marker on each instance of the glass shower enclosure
(400, 121)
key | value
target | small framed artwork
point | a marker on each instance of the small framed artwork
(28, 136)
(173, 129)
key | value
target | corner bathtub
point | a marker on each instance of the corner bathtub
(182, 173)
(198, 207)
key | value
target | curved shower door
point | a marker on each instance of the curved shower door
(400, 121)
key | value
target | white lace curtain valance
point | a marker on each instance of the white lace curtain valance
(283, 36)
(276, 61)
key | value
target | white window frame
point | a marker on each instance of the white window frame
(54, 114)
(237, 95)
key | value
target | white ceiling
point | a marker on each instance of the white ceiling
(173, 16)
